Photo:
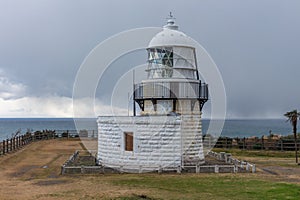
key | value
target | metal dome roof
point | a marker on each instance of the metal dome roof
(170, 36)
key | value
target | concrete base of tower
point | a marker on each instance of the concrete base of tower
(150, 143)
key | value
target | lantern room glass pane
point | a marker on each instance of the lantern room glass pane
(184, 57)
(160, 62)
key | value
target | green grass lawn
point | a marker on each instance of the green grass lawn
(216, 186)
(205, 186)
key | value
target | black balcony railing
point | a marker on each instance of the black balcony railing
(171, 90)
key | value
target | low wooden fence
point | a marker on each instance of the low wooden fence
(253, 143)
(75, 133)
(18, 142)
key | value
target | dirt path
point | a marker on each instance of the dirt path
(285, 174)
(21, 172)
(34, 173)
(279, 169)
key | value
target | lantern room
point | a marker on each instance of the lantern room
(173, 85)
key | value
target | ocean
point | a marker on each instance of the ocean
(232, 128)
(9, 126)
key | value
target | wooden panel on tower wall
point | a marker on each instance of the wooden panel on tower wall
(128, 141)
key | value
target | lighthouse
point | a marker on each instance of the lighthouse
(165, 131)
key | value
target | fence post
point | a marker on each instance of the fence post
(159, 169)
(281, 144)
(6, 145)
(235, 170)
(197, 168)
(178, 170)
(19, 141)
(253, 168)
(216, 169)
(262, 142)
(3, 147)
(10, 144)
(14, 143)
(244, 143)
(247, 167)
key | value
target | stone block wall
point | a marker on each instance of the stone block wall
(159, 142)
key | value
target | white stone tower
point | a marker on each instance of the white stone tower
(167, 133)
(173, 86)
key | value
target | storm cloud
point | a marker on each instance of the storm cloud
(255, 44)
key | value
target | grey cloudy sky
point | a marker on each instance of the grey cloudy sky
(255, 44)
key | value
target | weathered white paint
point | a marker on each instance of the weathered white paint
(160, 142)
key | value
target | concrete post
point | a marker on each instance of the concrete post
(216, 169)
(197, 169)
(62, 170)
(222, 156)
(235, 169)
(253, 168)
(179, 170)
(159, 169)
